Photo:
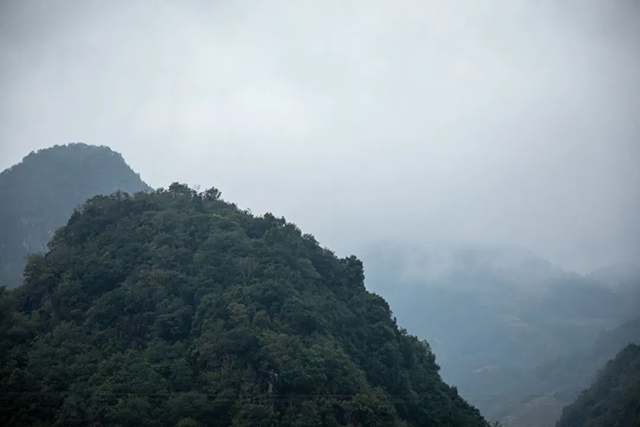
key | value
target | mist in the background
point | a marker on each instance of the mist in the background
(498, 122)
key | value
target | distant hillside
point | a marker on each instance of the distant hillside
(177, 308)
(524, 313)
(561, 379)
(624, 280)
(578, 369)
(39, 194)
(613, 400)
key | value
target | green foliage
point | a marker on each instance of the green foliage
(613, 400)
(38, 195)
(177, 308)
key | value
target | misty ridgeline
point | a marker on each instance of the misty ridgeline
(175, 307)
(460, 186)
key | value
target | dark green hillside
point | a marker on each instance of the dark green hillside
(39, 194)
(177, 308)
(613, 400)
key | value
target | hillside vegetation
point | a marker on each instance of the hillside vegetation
(39, 194)
(613, 400)
(177, 308)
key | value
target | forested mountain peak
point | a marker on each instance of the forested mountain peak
(38, 194)
(178, 308)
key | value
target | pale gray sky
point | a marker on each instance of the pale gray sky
(501, 121)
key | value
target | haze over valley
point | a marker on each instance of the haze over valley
(320, 213)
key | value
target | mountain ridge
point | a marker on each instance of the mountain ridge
(177, 307)
(38, 194)
(527, 314)
(613, 399)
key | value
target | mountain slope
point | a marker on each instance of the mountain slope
(613, 400)
(39, 194)
(566, 376)
(176, 308)
(577, 370)
(524, 312)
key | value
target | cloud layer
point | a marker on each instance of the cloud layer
(504, 122)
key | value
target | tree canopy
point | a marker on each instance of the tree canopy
(613, 400)
(178, 308)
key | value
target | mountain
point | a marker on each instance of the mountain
(613, 400)
(564, 377)
(624, 280)
(576, 370)
(494, 315)
(177, 308)
(39, 194)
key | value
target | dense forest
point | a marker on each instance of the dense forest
(613, 400)
(178, 308)
(39, 194)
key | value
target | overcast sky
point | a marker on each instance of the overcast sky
(499, 121)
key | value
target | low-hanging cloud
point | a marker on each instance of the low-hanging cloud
(504, 121)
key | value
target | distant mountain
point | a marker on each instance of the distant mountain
(624, 280)
(613, 400)
(564, 377)
(617, 275)
(495, 315)
(39, 194)
(574, 371)
(177, 308)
